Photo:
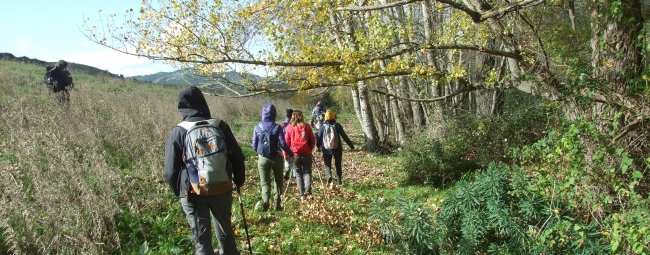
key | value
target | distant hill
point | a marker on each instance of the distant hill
(227, 83)
(77, 67)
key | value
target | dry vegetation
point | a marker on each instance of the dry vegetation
(67, 175)
(88, 179)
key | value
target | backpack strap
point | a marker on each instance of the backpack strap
(187, 125)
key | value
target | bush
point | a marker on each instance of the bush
(485, 138)
(425, 161)
(496, 213)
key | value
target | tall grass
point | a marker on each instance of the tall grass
(79, 181)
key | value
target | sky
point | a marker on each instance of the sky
(52, 30)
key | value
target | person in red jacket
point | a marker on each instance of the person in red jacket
(300, 138)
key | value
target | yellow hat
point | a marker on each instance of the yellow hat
(330, 115)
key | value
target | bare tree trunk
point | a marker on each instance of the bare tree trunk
(394, 107)
(434, 117)
(362, 106)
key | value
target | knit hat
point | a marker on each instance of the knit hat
(330, 115)
(289, 112)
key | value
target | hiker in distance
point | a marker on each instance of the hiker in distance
(317, 115)
(284, 124)
(329, 141)
(197, 154)
(268, 139)
(300, 138)
(60, 81)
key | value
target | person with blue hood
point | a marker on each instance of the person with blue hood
(197, 208)
(268, 139)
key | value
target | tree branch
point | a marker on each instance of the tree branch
(376, 7)
(477, 17)
(429, 100)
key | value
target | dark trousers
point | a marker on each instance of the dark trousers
(302, 164)
(198, 210)
(338, 156)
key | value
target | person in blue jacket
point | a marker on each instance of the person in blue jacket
(329, 153)
(268, 139)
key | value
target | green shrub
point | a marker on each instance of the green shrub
(601, 183)
(426, 161)
(498, 213)
(485, 138)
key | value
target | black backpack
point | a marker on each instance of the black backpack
(50, 81)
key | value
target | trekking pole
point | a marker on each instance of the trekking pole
(320, 176)
(241, 205)
(288, 183)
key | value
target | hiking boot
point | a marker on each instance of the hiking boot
(329, 180)
(302, 198)
(265, 206)
(278, 207)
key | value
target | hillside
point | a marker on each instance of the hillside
(85, 187)
(73, 66)
(225, 83)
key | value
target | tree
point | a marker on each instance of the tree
(418, 49)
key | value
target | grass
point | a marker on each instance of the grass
(89, 180)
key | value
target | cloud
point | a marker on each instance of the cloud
(24, 44)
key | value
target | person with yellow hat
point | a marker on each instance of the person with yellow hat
(328, 141)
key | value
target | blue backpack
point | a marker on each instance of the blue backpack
(264, 145)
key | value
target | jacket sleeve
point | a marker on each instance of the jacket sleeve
(174, 160)
(255, 139)
(311, 140)
(319, 138)
(235, 155)
(339, 128)
(287, 136)
(283, 142)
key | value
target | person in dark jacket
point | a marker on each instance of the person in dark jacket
(285, 124)
(273, 161)
(63, 82)
(193, 107)
(336, 153)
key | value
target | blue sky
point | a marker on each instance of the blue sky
(52, 30)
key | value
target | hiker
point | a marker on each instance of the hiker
(268, 139)
(329, 141)
(318, 111)
(177, 170)
(61, 81)
(301, 139)
(284, 124)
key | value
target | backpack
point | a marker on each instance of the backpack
(206, 159)
(264, 146)
(330, 137)
(50, 81)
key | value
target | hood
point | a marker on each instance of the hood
(191, 103)
(268, 113)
